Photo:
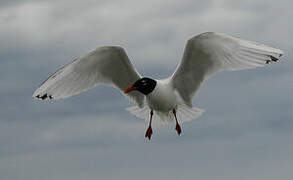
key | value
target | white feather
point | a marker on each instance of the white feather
(211, 52)
(109, 65)
(184, 113)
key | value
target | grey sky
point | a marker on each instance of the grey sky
(245, 133)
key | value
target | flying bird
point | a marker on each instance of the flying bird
(169, 99)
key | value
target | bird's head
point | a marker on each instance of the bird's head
(144, 85)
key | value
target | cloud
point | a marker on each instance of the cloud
(74, 130)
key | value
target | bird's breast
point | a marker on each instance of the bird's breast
(163, 98)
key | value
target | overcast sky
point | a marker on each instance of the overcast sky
(245, 133)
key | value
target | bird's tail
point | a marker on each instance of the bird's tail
(184, 113)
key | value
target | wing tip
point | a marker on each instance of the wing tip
(42, 96)
(273, 58)
(281, 53)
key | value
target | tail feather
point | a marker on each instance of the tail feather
(184, 113)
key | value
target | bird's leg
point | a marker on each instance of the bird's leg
(149, 131)
(178, 128)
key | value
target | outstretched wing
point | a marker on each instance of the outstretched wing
(109, 65)
(211, 52)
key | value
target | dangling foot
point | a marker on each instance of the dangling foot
(149, 133)
(177, 128)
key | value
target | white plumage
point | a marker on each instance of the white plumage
(108, 65)
(211, 52)
(204, 55)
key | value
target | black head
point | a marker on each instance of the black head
(144, 85)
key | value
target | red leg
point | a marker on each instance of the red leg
(149, 131)
(178, 128)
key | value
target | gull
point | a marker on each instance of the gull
(170, 99)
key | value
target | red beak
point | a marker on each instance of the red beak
(129, 89)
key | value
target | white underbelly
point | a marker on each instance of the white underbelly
(162, 98)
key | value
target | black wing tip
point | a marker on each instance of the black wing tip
(272, 59)
(43, 97)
